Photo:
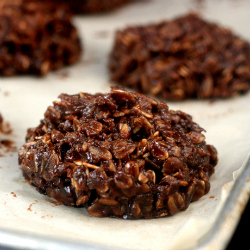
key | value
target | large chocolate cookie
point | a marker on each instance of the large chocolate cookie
(120, 154)
(184, 58)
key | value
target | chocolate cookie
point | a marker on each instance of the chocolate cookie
(88, 6)
(184, 58)
(36, 38)
(120, 154)
(95, 6)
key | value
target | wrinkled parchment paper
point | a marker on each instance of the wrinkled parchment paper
(23, 101)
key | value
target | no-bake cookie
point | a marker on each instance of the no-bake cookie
(36, 38)
(95, 6)
(120, 154)
(88, 6)
(184, 58)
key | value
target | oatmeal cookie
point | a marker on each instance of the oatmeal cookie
(36, 38)
(120, 154)
(180, 59)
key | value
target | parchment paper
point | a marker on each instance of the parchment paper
(25, 99)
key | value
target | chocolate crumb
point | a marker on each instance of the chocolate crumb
(5, 127)
(29, 209)
(6, 146)
(14, 195)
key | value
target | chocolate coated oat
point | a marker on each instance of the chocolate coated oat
(36, 38)
(120, 154)
(184, 58)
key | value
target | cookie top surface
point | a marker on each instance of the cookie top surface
(187, 57)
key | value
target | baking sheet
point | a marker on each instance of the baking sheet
(23, 211)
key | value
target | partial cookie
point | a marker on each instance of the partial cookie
(36, 38)
(5, 127)
(6, 145)
(120, 154)
(95, 6)
(184, 58)
(89, 6)
(1, 124)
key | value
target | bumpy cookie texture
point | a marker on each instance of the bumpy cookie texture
(184, 58)
(120, 154)
(36, 38)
